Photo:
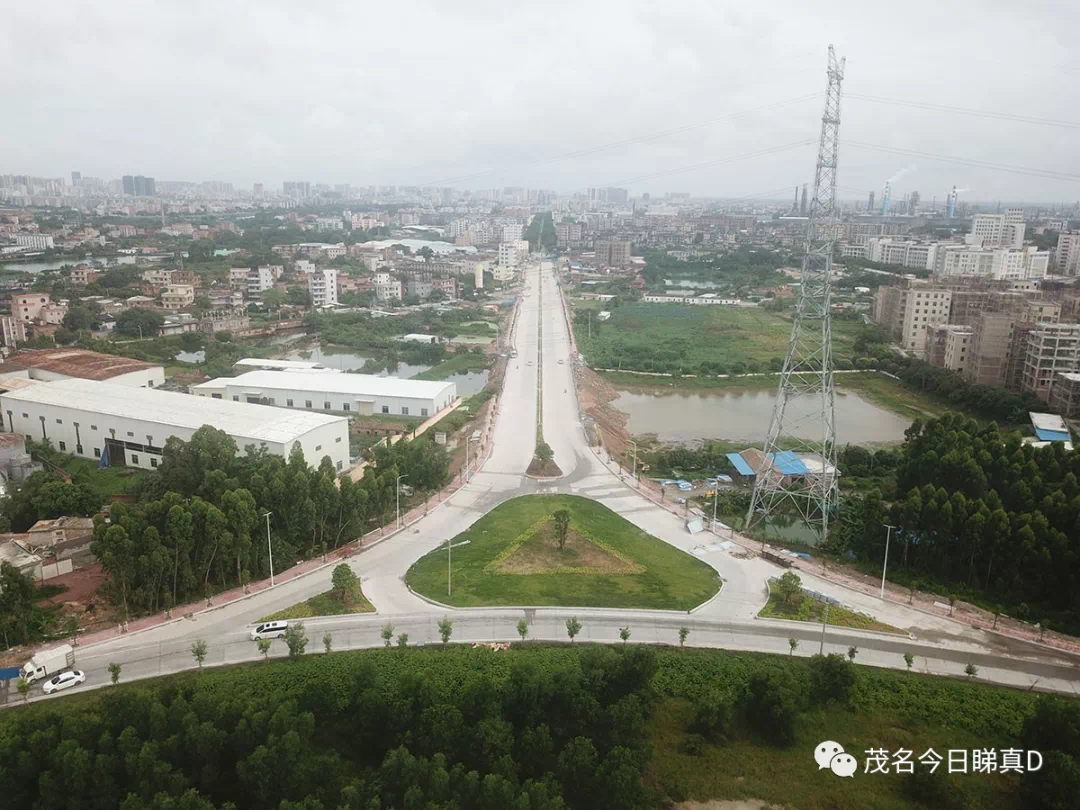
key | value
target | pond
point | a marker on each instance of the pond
(348, 361)
(469, 383)
(743, 415)
(38, 267)
(192, 357)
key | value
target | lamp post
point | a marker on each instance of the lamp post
(269, 547)
(885, 565)
(398, 506)
(635, 460)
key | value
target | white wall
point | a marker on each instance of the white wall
(338, 400)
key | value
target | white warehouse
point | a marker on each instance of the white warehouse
(328, 390)
(87, 417)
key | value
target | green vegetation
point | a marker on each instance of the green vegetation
(677, 339)
(328, 603)
(460, 362)
(569, 726)
(106, 482)
(512, 559)
(806, 609)
(892, 394)
(541, 231)
(980, 515)
(739, 274)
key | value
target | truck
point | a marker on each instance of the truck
(47, 663)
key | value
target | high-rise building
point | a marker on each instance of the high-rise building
(613, 253)
(76, 178)
(129, 184)
(999, 230)
(1051, 349)
(138, 186)
(870, 203)
(322, 284)
(907, 312)
(1067, 255)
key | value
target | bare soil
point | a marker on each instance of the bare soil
(543, 469)
(541, 554)
(596, 396)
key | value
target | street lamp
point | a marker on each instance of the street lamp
(885, 565)
(468, 442)
(635, 460)
(398, 488)
(269, 547)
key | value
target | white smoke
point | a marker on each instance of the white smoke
(962, 190)
(901, 173)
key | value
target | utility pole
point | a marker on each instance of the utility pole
(824, 621)
(805, 396)
(635, 460)
(269, 547)
(885, 565)
(398, 488)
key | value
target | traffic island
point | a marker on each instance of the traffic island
(561, 550)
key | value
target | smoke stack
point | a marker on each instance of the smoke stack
(803, 207)
(795, 205)
(870, 203)
(950, 204)
(885, 195)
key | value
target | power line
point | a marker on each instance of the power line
(981, 164)
(924, 105)
(652, 136)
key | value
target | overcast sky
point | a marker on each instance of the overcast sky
(481, 94)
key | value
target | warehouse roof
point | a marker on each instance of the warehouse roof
(258, 362)
(332, 381)
(259, 422)
(75, 363)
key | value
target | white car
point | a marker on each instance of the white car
(65, 680)
(269, 630)
(560, 362)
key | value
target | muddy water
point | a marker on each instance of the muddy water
(744, 415)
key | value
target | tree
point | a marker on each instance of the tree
(562, 525)
(296, 639)
(198, 651)
(446, 629)
(793, 644)
(831, 678)
(624, 634)
(523, 628)
(573, 627)
(344, 581)
(971, 670)
(23, 686)
(387, 634)
(78, 318)
(19, 621)
(769, 706)
(273, 298)
(114, 672)
(909, 659)
(327, 641)
(264, 647)
(789, 585)
(403, 641)
(224, 336)
(851, 653)
(683, 633)
(544, 451)
(130, 321)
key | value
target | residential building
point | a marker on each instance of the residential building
(157, 276)
(178, 325)
(331, 390)
(1065, 394)
(387, 288)
(130, 425)
(224, 321)
(998, 264)
(907, 312)
(1051, 348)
(1067, 256)
(322, 285)
(446, 285)
(259, 280)
(958, 340)
(12, 331)
(568, 234)
(225, 299)
(988, 359)
(49, 365)
(512, 232)
(178, 296)
(906, 253)
(613, 253)
(36, 241)
(27, 306)
(83, 275)
(999, 230)
(419, 287)
(502, 273)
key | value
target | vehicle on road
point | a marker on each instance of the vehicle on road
(269, 630)
(560, 361)
(48, 662)
(65, 680)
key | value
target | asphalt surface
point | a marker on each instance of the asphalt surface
(941, 646)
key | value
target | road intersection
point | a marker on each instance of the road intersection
(941, 646)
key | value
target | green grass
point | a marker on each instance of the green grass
(108, 481)
(892, 394)
(673, 337)
(457, 363)
(805, 609)
(672, 579)
(324, 604)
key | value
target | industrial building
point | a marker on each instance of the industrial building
(49, 365)
(328, 390)
(89, 418)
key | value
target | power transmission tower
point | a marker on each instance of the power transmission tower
(798, 464)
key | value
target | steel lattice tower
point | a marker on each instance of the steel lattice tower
(803, 415)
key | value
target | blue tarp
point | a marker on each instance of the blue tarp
(740, 465)
(1051, 435)
(9, 673)
(790, 464)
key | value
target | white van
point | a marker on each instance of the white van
(269, 630)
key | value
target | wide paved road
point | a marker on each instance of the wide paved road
(940, 645)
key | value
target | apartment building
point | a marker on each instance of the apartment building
(12, 331)
(957, 345)
(613, 252)
(906, 253)
(83, 275)
(513, 254)
(446, 285)
(568, 234)
(907, 312)
(1065, 394)
(259, 280)
(158, 277)
(990, 344)
(1051, 348)
(178, 296)
(322, 285)
(387, 287)
(512, 232)
(999, 264)
(999, 230)
(27, 307)
(36, 241)
(1067, 256)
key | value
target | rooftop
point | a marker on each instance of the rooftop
(291, 365)
(330, 380)
(75, 363)
(261, 423)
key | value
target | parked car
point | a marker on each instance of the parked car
(65, 680)
(269, 630)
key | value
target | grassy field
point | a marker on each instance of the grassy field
(457, 363)
(670, 337)
(504, 542)
(108, 481)
(804, 609)
(324, 604)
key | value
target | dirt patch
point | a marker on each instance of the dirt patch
(735, 804)
(543, 469)
(540, 554)
(596, 395)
